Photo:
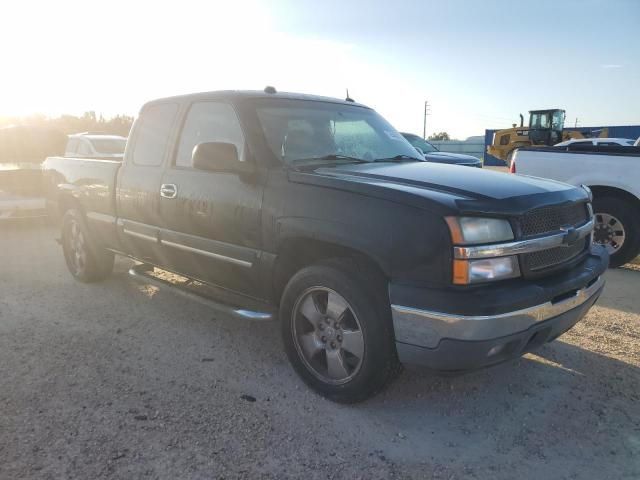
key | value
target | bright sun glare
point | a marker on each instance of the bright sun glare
(73, 57)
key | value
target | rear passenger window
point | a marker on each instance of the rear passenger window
(72, 148)
(153, 134)
(209, 122)
(83, 148)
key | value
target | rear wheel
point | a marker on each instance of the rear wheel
(86, 261)
(337, 332)
(617, 228)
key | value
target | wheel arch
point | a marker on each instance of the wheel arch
(296, 253)
(67, 201)
(601, 191)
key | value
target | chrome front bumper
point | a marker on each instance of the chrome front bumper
(426, 329)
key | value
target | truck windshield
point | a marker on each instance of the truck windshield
(557, 122)
(109, 146)
(299, 130)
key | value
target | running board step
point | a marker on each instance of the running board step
(146, 274)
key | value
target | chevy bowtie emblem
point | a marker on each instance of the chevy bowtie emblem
(570, 236)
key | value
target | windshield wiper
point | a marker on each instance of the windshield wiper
(399, 158)
(331, 157)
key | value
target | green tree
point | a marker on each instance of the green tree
(89, 121)
(439, 136)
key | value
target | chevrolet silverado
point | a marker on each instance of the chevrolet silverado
(317, 211)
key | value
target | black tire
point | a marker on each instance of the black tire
(86, 260)
(627, 215)
(368, 302)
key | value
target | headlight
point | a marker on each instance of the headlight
(475, 231)
(471, 230)
(484, 270)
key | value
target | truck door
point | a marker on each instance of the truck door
(212, 219)
(138, 192)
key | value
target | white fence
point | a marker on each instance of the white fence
(470, 147)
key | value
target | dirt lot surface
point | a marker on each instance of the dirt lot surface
(121, 380)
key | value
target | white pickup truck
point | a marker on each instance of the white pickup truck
(612, 173)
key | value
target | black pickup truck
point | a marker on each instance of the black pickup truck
(318, 210)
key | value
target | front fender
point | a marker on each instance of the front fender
(593, 181)
(370, 240)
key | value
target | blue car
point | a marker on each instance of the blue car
(432, 154)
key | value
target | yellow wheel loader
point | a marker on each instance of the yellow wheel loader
(546, 128)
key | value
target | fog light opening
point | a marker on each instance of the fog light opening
(495, 350)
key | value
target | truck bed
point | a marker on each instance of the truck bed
(15, 206)
(21, 194)
(607, 166)
(91, 180)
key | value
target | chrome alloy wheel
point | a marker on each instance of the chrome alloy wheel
(608, 231)
(328, 335)
(77, 253)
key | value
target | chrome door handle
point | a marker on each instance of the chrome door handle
(168, 190)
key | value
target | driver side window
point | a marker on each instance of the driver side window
(557, 121)
(209, 122)
(83, 148)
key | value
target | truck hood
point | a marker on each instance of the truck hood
(451, 158)
(441, 186)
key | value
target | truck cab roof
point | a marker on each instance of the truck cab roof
(92, 136)
(253, 94)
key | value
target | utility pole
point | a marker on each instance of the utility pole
(575, 125)
(427, 111)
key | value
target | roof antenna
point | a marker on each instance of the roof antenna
(349, 99)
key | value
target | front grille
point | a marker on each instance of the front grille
(551, 219)
(554, 256)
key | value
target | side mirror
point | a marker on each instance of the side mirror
(419, 151)
(219, 157)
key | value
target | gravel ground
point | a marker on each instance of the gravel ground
(121, 380)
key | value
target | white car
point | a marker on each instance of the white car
(613, 175)
(95, 145)
(625, 142)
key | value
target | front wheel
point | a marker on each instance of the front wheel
(86, 261)
(617, 228)
(337, 332)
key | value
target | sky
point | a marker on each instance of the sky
(478, 63)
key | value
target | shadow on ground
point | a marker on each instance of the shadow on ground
(119, 379)
(622, 291)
